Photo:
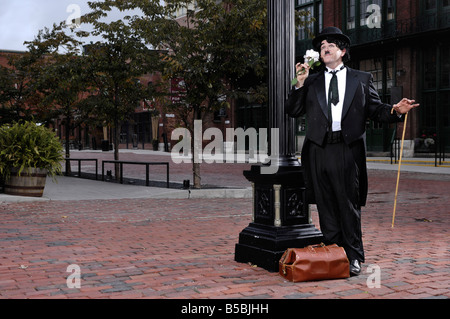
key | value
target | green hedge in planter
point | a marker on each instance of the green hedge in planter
(27, 145)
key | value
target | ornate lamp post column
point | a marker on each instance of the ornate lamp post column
(281, 59)
(280, 214)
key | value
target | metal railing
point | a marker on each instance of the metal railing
(395, 150)
(439, 150)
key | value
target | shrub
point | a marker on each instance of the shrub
(27, 145)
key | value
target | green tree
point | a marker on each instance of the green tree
(210, 50)
(17, 97)
(114, 66)
(59, 78)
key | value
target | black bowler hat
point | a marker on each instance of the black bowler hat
(330, 32)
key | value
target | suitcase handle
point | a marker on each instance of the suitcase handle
(312, 247)
(282, 261)
(285, 256)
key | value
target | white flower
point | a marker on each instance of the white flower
(311, 55)
(312, 58)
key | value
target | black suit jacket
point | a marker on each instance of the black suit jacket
(361, 102)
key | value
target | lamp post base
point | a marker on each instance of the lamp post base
(264, 245)
(281, 218)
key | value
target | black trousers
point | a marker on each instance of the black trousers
(334, 177)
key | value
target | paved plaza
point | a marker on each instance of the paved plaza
(132, 241)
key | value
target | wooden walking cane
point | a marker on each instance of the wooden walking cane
(399, 168)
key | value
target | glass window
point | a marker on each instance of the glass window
(351, 14)
(374, 66)
(430, 4)
(429, 109)
(320, 16)
(429, 68)
(436, 94)
(445, 100)
(390, 10)
(436, 14)
(389, 74)
(382, 70)
(363, 14)
(304, 32)
(313, 17)
(445, 66)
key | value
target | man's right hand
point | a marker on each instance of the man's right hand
(302, 71)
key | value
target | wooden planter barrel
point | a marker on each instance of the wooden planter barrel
(31, 182)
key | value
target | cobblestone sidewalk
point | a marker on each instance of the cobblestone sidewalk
(159, 248)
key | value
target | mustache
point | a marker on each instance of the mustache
(329, 52)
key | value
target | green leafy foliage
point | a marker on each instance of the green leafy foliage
(209, 48)
(27, 145)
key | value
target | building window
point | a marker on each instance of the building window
(445, 109)
(435, 14)
(435, 105)
(375, 67)
(445, 67)
(390, 10)
(430, 4)
(433, 6)
(182, 11)
(351, 14)
(313, 18)
(429, 112)
(382, 70)
(430, 68)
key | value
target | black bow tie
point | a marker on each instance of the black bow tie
(335, 71)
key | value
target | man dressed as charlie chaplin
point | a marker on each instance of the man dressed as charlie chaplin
(337, 103)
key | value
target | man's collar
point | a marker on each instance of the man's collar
(339, 68)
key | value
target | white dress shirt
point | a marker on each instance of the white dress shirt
(336, 110)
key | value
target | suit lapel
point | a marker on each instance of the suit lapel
(350, 89)
(319, 86)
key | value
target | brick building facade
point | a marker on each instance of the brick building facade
(402, 43)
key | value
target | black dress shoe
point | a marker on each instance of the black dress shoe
(355, 268)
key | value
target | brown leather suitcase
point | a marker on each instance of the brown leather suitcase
(315, 262)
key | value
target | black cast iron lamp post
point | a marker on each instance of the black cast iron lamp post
(280, 214)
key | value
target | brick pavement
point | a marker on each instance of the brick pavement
(184, 249)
